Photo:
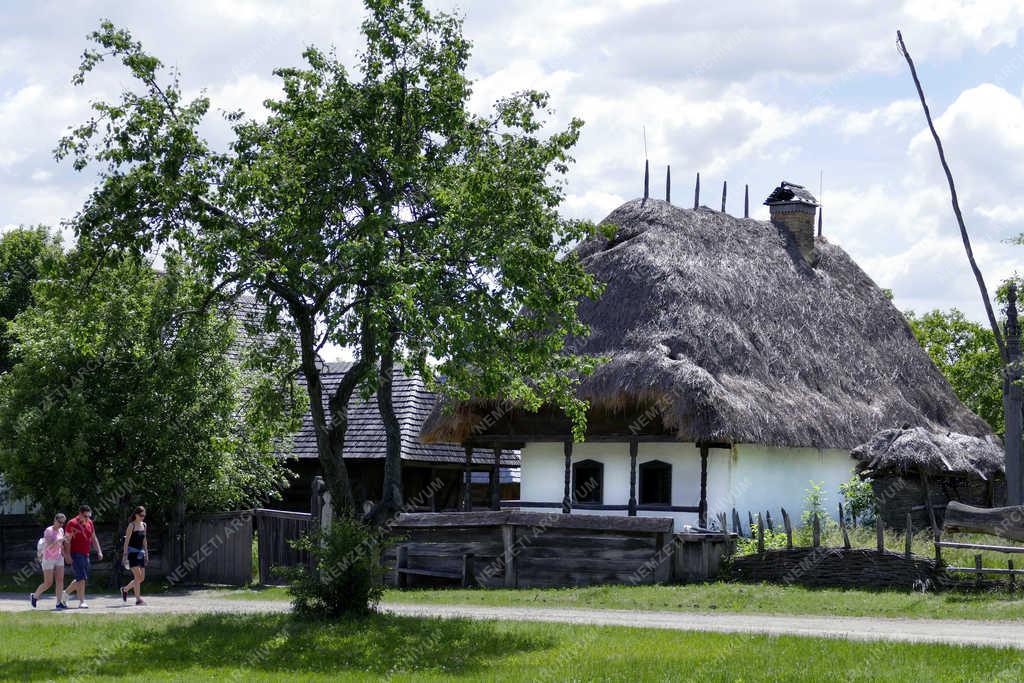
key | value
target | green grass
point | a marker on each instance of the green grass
(282, 648)
(721, 597)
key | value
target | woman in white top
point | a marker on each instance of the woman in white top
(52, 561)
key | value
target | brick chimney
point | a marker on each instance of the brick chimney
(792, 207)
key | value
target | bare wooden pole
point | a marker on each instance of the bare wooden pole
(725, 187)
(910, 535)
(842, 526)
(789, 529)
(668, 184)
(696, 192)
(1012, 405)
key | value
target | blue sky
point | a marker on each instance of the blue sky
(745, 92)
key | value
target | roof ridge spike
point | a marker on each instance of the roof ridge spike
(746, 201)
(696, 192)
(668, 184)
(725, 186)
(647, 178)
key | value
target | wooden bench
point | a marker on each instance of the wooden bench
(403, 571)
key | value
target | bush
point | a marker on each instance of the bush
(814, 503)
(773, 540)
(860, 500)
(348, 579)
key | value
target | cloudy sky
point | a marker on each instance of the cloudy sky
(747, 92)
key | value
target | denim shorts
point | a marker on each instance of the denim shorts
(80, 566)
(136, 557)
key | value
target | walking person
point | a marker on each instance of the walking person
(52, 561)
(81, 535)
(136, 554)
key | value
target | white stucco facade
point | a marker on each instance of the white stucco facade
(745, 477)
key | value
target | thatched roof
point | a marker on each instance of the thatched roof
(907, 450)
(720, 324)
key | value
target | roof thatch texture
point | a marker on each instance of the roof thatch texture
(720, 324)
(366, 438)
(923, 450)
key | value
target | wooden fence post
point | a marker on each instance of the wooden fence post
(842, 527)
(910, 535)
(816, 531)
(736, 526)
(768, 521)
(789, 529)
(1013, 578)
(879, 534)
(750, 522)
(938, 550)
(760, 533)
(977, 570)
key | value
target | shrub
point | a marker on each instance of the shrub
(773, 540)
(860, 500)
(814, 503)
(348, 577)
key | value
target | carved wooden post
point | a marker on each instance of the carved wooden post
(703, 518)
(467, 481)
(567, 493)
(496, 480)
(633, 448)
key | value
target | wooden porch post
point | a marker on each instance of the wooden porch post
(703, 515)
(467, 481)
(567, 495)
(496, 480)
(633, 448)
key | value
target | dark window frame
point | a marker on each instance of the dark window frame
(595, 469)
(656, 497)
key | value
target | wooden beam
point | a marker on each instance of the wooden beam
(467, 481)
(1005, 522)
(567, 488)
(703, 515)
(633, 448)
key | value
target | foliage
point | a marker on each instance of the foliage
(372, 206)
(773, 540)
(967, 354)
(860, 500)
(815, 498)
(121, 391)
(348, 579)
(26, 254)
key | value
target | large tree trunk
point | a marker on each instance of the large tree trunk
(1013, 404)
(1011, 396)
(391, 499)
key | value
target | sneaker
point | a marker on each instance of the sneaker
(124, 595)
(61, 605)
(32, 599)
(83, 604)
(140, 601)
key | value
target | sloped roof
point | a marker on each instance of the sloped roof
(366, 439)
(788, 192)
(720, 324)
(906, 450)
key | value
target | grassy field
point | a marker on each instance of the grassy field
(281, 648)
(722, 597)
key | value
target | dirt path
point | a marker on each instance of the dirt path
(995, 633)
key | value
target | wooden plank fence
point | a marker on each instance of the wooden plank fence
(275, 529)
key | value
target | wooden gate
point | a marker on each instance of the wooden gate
(215, 548)
(274, 530)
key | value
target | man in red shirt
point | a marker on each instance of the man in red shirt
(81, 538)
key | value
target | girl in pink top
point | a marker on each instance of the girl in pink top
(52, 561)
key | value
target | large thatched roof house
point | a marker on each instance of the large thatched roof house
(745, 358)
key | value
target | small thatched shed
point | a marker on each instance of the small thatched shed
(918, 471)
(745, 358)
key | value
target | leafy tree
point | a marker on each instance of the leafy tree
(372, 207)
(967, 354)
(119, 389)
(25, 255)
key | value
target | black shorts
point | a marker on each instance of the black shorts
(136, 558)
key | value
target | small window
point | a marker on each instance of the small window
(588, 482)
(655, 483)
